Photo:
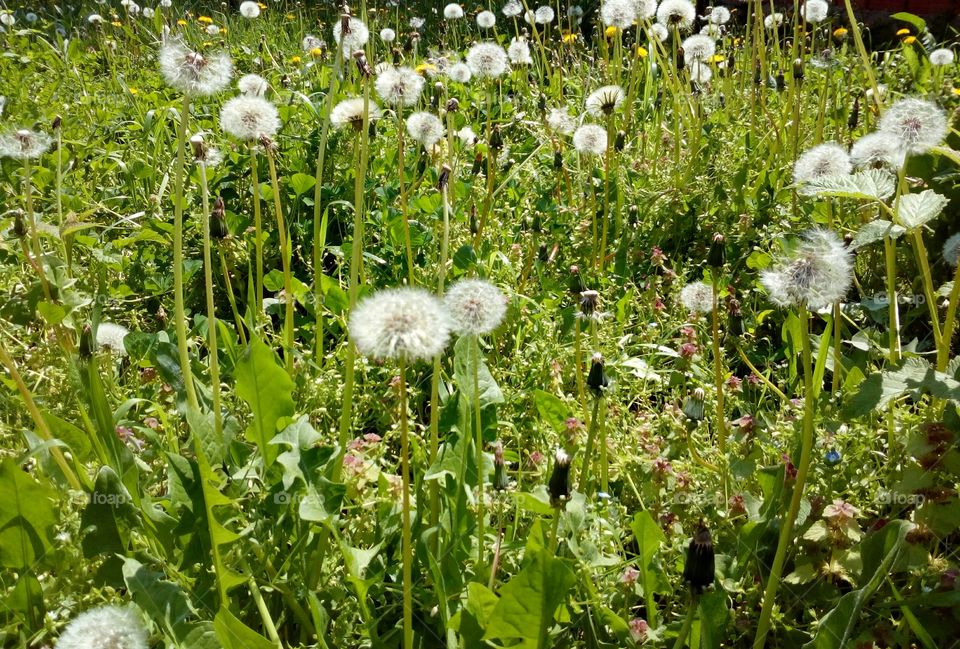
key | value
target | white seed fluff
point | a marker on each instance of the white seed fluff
(355, 39)
(475, 306)
(878, 150)
(618, 13)
(519, 52)
(823, 160)
(107, 627)
(399, 86)
(110, 337)
(349, 112)
(425, 128)
(942, 56)
(676, 13)
(697, 297)
(951, 250)
(406, 323)
(487, 60)
(486, 19)
(920, 124)
(192, 73)
(512, 9)
(814, 11)
(719, 15)
(590, 139)
(644, 9)
(560, 122)
(604, 100)
(453, 11)
(249, 9)
(387, 35)
(249, 118)
(819, 273)
(544, 15)
(252, 84)
(698, 47)
(24, 144)
(460, 72)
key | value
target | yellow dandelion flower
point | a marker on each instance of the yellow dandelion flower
(910, 40)
(642, 52)
(133, 91)
(840, 32)
(569, 37)
(207, 20)
(206, 44)
(903, 32)
(295, 59)
(223, 30)
(717, 58)
(291, 17)
(956, 91)
(424, 67)
(610, 31)
(262, 6)
(315, 52)
(182, 22)
(117, 23)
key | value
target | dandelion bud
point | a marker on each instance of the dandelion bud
(496, 139)
(576, 285)
(196, 143)
(345, 23)
(854, 118)
(693, 405)
(589, 300)
(542, 103)
(362, 66)
(559, 486)
(218, 222)
(633, 215)
(19, 227)
(57, 121)
(453, 105)
(477, 160)
(798, 69)
(780, 81)
(473, 210)
(699, 570)
(717, 255)
(620, 142)
(597, 379)
(444, 177)
(499, 468)
(86, 343)
(268, 144)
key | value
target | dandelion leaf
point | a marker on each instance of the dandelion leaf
(27, 518)
(234, 634)
(267, 388)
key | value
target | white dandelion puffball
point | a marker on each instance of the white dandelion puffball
(942, 56)
(349, 112)
(823, 160)
(698, 47)
(193, 73)
(590, 139)
(487, 60)
(712, 30)
(772, 21)
(644, 9)
(399, 86)
(353, 38)
(212, 30)
(512, 9)
(166, 4)
(3, 103)
(618, 13)
(407, 323)
(453, 11)
(24, 144)
(814, 11)
(31, 17)
(560, 122)
(519, 52)
(819, 273)
(460, 72)
(468, 137)
(249, 118)
(544, 15)
(310, 43)
(476, 306)
(530, 16)
(676, 13)
(387, 35)
(252, 84)
(7, 19)
(425, 128)
(94, 19)
(951, 250)
(604, 100)
(110, 337)
(700, 72)
(719, 15)
(486, 19)
(659, 32)
(920, 124)
(107, 627)
(878, 150)
(148, 12)
(416, 22)
(249, 9)
(697, 297)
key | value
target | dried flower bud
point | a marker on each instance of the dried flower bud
(444, 177)
(700, 568)
(558, 160)
(218, 221)
(717, 255)
(620, 142)
(798, 69)
(500, 480)
(854, 118)
(453, 105)
(57, 122)
(693, 406)
(597, 379)
(589, 300)
(559, 486)
(496, 139)
(86, 343)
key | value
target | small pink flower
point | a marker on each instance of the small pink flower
(753, 380)
(371, 438)
(638, 629)
(662, 466)
(657, 257)
(629, 576)
(658, 305)
(689, 333)
(152, 423)
(791, 471)
(736, 505)
(535, 459)
(735, 384)
(840, 510)
(688, 350)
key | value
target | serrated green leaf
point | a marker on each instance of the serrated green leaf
(915, 210)
(234, 634)
(552, 409)
(162, 600)
(871, 185)
(267, 388)
(876, 231)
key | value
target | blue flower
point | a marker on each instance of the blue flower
(832, 457)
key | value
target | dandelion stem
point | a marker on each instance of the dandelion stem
(407, 542)
(491, 169)
(180, 322)
(212, 352)
(478, 440)
(943, 353)
(721, 423)
(257, 233)
(584, 486)
(285, 253)
(403, 198)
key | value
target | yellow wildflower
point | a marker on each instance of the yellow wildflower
(903, 32)
(910, 40)
(291, 17)
(207, 20)
(315, 52)
(610, 31)
(295, 59)
(569, 37)
(133, 91)
(262, 6)
(424, 67)
(641, 52)
(182, 22)
(717, 58)
(839, 32)
(117, 23)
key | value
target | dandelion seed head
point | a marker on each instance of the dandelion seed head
(772, 21)
(920, 124)
(24, 144)
(407, 323)
(467, 136)
(659, 32)
(512, 9)
(951, 250)
(818, 274)
(193, 73)
(475, 306)
(349, 112)
(212, 30)
(106, 627)
(712, 30)
(310, 43)
(676, 13)
(453, 11)
(604, 100)
(252, 84)
(519, 51)
(357, 37)
(110, 337)
(823, 160)
(249, 9)
(618, 13)
(719, 15)
(698, 47)
(387, 35)
(560, 122)
(400, 86)
(644, 9)
(942, 56)
(814, 11)
(700, 72)
(416, 22)
(697, 297)
(460, 72)
(590, 139)
(425, 128)
(487, 60)
(249, 117)
(7, 19)
(94, 19)
(544, 15)
(486, 19)
(877, 150)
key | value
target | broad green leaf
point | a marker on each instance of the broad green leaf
(838, 626)
(528, 602)
(463, 368)
(234, 634)
(75, 438)
(915, 375)
(552, 409)
(27, 518)
(267, 388)
(714, 615)
(916, 21)
(162, 600)
(871, 185)
(108, 514)
(298, 436)
(475, 615)
(917, 209)
(301, 183)
(204, 430)
(876, 231)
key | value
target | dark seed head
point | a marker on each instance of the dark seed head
(559, 486)
(700, 567)
(717, 255)
(86, 343)
(597, 379)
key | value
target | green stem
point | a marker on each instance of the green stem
(893, 313)
(588, 452)
(180, 321)
(687, 623)
(478, 441)
(285, 254)
(403, 198)
(407, 541)
(491, 170)
(212, 353)
(943, 354)
(806, 451)
(920, 251)
(721, 424)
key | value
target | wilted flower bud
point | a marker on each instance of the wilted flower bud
(559, 486)
(86, 343)
(620, 141)
(798, 69)
(854, 114)
(588, 302)
(444, 177)
(735, 322)
(496, 139)
(473, 219)
(218, 222)
(499, 468)
(693, 405)
(577, 287)
(558, 160)
(699, 570)
(362, 66)
(780, 81)
(597, 379)
(717, 255)
(196, 143)
(633, 214)
(19, 227)
(453, 105)
(57, 121)
(477, 161)
(542, 103)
